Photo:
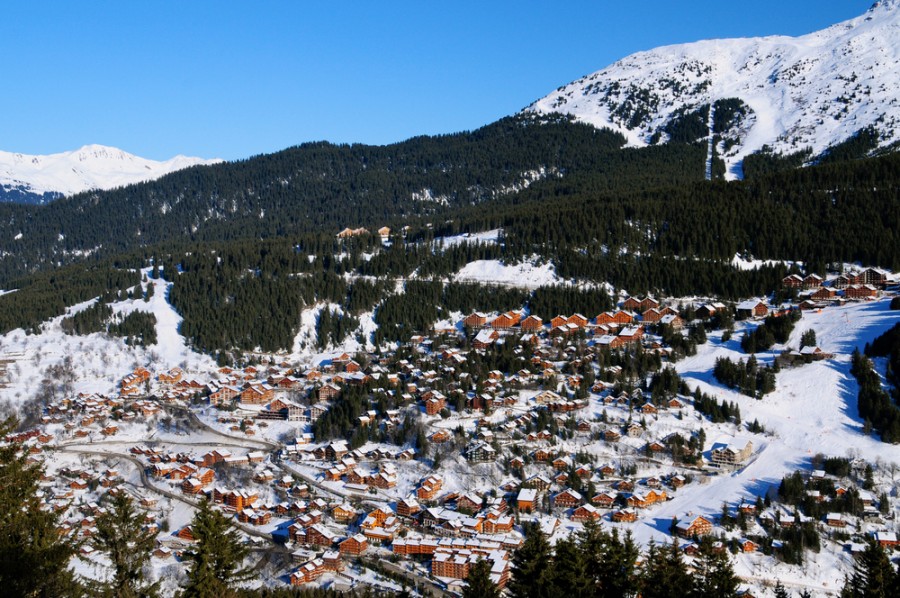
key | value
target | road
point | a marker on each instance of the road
(146, 483)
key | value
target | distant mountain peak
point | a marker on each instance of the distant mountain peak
(784, 93)
(34, 179)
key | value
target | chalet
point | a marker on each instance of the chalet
(532, 324)
(585, 512)
(752, 308)
(352, 232)
(526, 499)
(887, 540)
(173, 376)
(694, 528)
(384, 232)
(792, 281)
(480, 452)
(605, 500)
(747, 545)
(824, 294)
(871, 276)
(578, 320)
(475, 320)
(485, 338)
(566, 499)
(257, 394)
(318, 535)
(651, 316)
(222, 395)
(559, 321)
(354, 545)
(812, 281)
(562, 463)
(624, 516)
(673, 321)
(864, 291)
(632, 304)
(343, 513)
(620, 318)
(836, 520)
(648, 303)
(408, 507)
(469, 502)
(186, 533)
(499, 525)
(506, 321)
(708, 310)
(632, 334)
(336, 450)
(731, 455)
(329, 391)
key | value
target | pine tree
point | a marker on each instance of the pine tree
(780, 592)
(873, 576)
(714, 575)
(34, 558)
(120, 535)
(664, 574)
(479, 583)
(571, 571)
(532, 570)
(216, 557)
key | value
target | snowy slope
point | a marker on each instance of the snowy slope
(90, 167)
(810, 91)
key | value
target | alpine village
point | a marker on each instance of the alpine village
(548, 357)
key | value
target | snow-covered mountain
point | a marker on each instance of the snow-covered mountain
(33, 179)
(789, 93)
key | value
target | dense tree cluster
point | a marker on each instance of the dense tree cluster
(774, 329)
(746, 376)
(595, 562)
(876, 407)
(716, 412)
(137, 327)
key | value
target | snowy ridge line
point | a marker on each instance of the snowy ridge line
(812, 91)
(89, 167)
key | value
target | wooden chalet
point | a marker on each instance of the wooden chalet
(355, 545)
(694, 528)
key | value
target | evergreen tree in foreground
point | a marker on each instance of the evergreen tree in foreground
(532, 567)
(873, 576)
(120, 535)
(714, 575)
(34, 558)
(215, 560)
(664, 574)
(478, 583)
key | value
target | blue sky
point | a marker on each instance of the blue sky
(233, 79)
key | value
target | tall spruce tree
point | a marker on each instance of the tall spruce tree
(664, 574)
(532, 567)
(479, 583)
(122, 537)
(215, 559)
(609, 560)
(873, 576)
(34, 559)
(713, 574)
(571, 570)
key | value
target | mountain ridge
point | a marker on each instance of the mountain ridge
(786, 94)
(28, 178)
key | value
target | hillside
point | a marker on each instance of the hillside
(320, 187)
(778, 93)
